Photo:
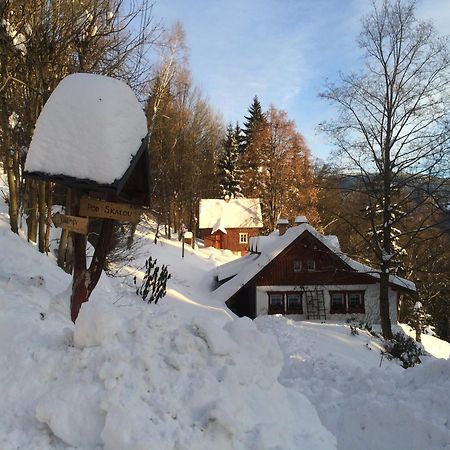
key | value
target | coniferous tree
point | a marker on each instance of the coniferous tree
(229, 172)
(255, 138)
(253, 121)
(240, 137)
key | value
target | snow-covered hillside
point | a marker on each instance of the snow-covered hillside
(187, 374)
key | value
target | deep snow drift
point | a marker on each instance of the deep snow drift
(188, 374)
(177, 375)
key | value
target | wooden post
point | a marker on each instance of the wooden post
(79, 282)
(85, 279)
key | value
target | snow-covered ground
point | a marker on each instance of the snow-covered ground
(187, 374)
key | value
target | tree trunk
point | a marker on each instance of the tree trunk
(63, 253)
(62, 248)
(418, 332)
(32, 207)
(68, 266)
(13, 203)
(194, 231)
(384, 304)
(130, 238)
(168, 230)
(42, 215)
(48, 223)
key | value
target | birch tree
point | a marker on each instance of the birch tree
(393, 130)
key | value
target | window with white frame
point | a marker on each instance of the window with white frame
(243, 238)
(276, 303)
(310, 265)
(343, 302)
(355, 301)
(337, 303)
(297, 266)
(285, 303)
(294, 303)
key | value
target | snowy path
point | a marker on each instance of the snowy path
(363, 405)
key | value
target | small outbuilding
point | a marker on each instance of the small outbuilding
(301, 272)
(230, 223)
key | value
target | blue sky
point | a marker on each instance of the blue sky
(281, 50)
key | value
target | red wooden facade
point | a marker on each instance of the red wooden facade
(305, 262)
(318, 266)
(235, 239)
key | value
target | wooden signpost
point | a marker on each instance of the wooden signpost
(92, 207)
(72, 223)
(128, 182)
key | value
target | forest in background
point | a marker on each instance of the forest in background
(389, 213)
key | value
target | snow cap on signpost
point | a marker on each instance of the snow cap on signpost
(92, 135)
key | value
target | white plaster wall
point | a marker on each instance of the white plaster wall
(371, 299)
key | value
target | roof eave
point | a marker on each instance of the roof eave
(84, 184)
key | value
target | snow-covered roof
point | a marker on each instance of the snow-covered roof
(300, 219)
(219, 214)
(269, 247)
(90, 128)
(333, 242)
(231, 268)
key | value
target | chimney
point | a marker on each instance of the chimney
(282, 225)
(300, 219)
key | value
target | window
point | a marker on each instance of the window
(276, 303)
(337, 302)
(294, 303)
(297, 266)
(355, 302)
(243, 238)
(285, 303)
(310, 265)
(351, 302)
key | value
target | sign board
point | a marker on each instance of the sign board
(72, 223)
(92, 207)
(188, 235)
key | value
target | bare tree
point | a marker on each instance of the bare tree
(393, 129)
(41, 43)
(185, 139)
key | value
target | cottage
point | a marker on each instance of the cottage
(302, 272)
(230, 223)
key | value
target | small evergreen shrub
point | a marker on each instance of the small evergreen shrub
(154, 283)
(356, 325)
(405, 349)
